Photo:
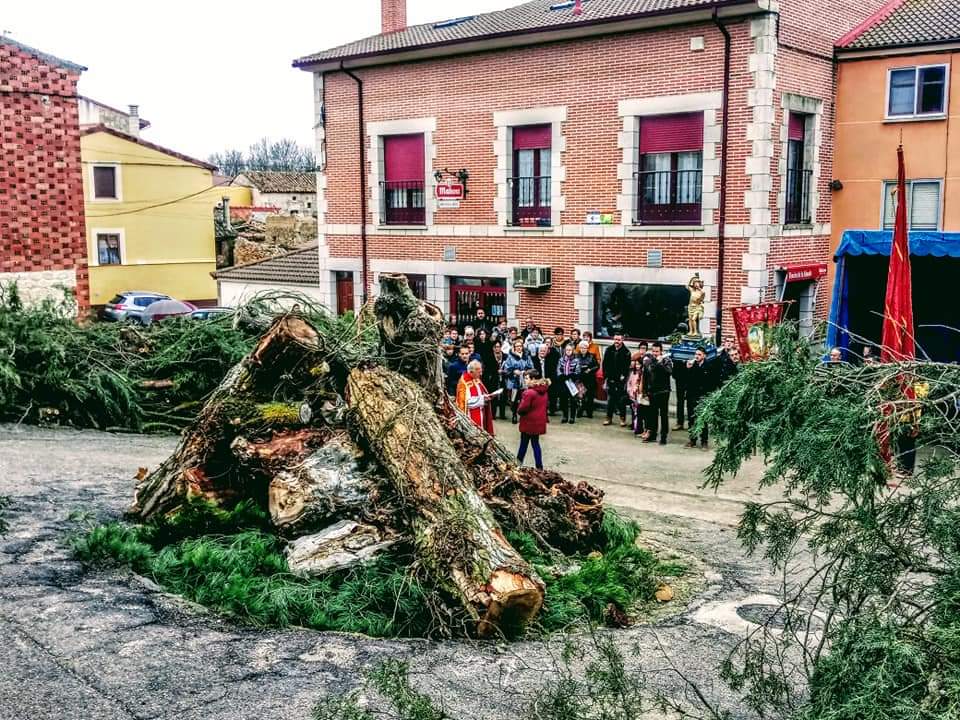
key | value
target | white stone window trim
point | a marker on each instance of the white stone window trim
(586, 276)
(376, 131)
(807, 301)
(93, 255)
(484, 231)
(504, 121)
(631, 110)
(813, 131)
(117, 182)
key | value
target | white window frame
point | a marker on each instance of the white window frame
(118, 183)
(910, 182)
(916, 74)
(94, 255)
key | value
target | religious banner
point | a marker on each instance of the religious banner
(754, 325)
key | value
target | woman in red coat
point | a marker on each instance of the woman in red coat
(533, 416)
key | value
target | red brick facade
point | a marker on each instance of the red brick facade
(776, 67)
(42, 231)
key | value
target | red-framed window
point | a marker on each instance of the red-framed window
(402, 189)
(670, 173)
(530, 184)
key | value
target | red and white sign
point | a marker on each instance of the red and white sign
(808, 271)
(449, 191)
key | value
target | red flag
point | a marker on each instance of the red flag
(898, 306)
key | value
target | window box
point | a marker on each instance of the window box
(917, 93)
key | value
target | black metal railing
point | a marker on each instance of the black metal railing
(797, 207)
(530, 200)
(669, 197)
(402, 203)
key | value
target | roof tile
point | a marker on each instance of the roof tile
(528, 17)
(270, 181)
(298, 267)
(911, 22)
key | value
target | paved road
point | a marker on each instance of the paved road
(97, 646)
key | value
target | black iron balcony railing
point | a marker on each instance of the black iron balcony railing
(669, 197)
(797, 207)
(530, 200)
(402, 203)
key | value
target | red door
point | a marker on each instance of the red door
(466, 297)
(344, 291)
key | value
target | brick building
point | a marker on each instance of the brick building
(595, 145)
(42, 243)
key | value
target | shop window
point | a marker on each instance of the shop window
(638, 311)
(917, 91)
(923, 204)
(669, 179)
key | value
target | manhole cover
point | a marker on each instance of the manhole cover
(770, 615)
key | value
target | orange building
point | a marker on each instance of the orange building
(898, 81)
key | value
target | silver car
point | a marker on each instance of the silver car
(130, 305)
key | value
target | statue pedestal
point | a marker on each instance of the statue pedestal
(687, 347)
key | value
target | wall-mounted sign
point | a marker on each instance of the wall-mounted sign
(449, 191)
(595, 217)
(808, 271)
(448, 204)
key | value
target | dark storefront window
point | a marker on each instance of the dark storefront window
(642, 312)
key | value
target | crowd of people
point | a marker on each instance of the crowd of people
(491, 369)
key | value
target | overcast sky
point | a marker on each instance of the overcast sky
(208, 75)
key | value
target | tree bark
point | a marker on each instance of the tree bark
(340, 546)
(327, 484)
(410, 331)
(202, 464)
(454, 533)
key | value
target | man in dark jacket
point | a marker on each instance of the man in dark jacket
(680, 380)
(701, 381)
(550, 372)
(616, 370)
(656, 385)
(456, 369)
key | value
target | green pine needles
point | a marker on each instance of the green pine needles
(870, 558)
(230, 562)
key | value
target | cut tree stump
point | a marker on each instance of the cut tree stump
(340, 546)
(202, 464)
(454, 533)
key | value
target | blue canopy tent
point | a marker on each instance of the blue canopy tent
(860, 285)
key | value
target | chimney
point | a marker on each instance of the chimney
(226, 212)
(393, 15)
(133, 122)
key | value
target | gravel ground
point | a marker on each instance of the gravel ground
(95, 645)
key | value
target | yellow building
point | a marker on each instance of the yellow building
(150, 221)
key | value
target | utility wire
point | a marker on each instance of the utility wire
(156, 205)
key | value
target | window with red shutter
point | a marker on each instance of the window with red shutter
(797, 201)
(530, 183)
(670, 176)
(402, 189)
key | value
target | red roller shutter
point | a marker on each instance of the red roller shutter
(532, 137)
(671, 133)
(403, 157)
(797, 126)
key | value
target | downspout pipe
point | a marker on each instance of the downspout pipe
(361, 138)
(724, 150)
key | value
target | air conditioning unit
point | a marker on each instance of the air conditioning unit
(532, 277)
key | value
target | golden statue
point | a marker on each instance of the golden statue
(695, 308)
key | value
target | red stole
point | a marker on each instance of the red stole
(470, 389)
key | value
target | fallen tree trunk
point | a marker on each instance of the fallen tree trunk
(454, 533)
(340, 546)
(202, 464)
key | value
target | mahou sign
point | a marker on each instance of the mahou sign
(449, 191)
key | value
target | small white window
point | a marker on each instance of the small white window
(105, 182)
(108, 248)
(917, 91)
(923, 204)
